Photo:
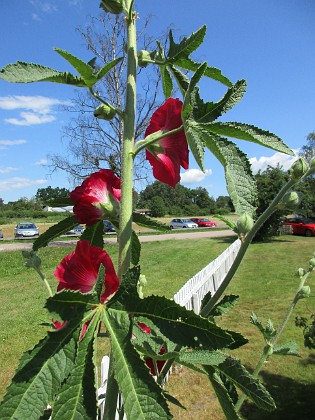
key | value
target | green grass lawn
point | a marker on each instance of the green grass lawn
(265, 282)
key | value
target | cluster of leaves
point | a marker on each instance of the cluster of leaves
(308, 326)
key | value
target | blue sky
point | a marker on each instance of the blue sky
(271, 44)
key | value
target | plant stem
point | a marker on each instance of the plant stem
(42, 276)
(127, 149)
(154, 138)
(248, 239)
(268, 349)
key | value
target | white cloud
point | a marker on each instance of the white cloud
(35, 109)
(19, 182)
(284, 161)
(5, 144)
(41, 162)
(44, 6)
(194, 176)
(7, 170)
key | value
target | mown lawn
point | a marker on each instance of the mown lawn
(265, 283)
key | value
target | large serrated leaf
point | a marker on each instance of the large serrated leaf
(94, 234)
(195, 142)
(250, 133)
(40, 375)
(211, 72)
(202, 357)
(135, 248)
(143, 398)
(289, 348)
(225, 304)
(222, 394)
(187, 106)
(77, 398)
(181, 79)
(105, 69)
(187, 44)
(240, 182)
(54, 231)
(251, 386)
(22, 72)
(167, 82)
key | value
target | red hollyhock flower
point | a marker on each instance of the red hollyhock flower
(170, 153)
(79, 270)
(97, 197)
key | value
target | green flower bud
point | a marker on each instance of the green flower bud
(301, 272)
(304, 292)
(311, 170)
(141, 284)
(312, 263)
(298, 169)
(290, 200)
(244, 224)
(144, 58)
(105, 112)
(112, 6)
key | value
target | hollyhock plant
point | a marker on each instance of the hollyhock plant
(79, 270)
(97, 198)
(148, 360)
(171, 152)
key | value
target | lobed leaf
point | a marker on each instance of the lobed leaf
(181, 79)
(142, 396)
(40, 375)
(167, 82)
(195, 140)
(105, 69)
(187, 44)
(290, 348)
(250, 133)
(187, 106)
(94, 234)
(135, 248)
(54, 231)
(224, 305)
(202, 357)
(78, 396)
(22, 72)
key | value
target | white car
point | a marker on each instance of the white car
(182, 223)
(26, 230)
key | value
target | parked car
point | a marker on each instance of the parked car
(78, 230)
(300, 225)
(1, 234)
(203, 222)
(26, 230)
(182, 223)
(108, 226)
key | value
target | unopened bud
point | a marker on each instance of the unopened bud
(143, 58)
(312, 263)
(301, 272)
(304, 292)
(290, 200)
(32, 260)
(298, 169)
(105, 112)
(112, 6)
(244, 224)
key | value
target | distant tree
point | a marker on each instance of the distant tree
(224, 202)
(24, 203)
(1, 202)
(308, 150)
(91, 143)
(157, 207)
(201, 198)
(45, 194)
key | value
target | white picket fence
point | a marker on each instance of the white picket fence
(190, 296)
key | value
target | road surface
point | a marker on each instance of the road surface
(146, 238)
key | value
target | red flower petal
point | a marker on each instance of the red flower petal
(166, 164)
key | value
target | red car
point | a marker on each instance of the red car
(301, 226)
(203, 222)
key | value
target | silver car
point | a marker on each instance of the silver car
(182, 223)
(26, 230)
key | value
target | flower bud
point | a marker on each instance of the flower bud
(141, 284)
(301, 272)
(298, 169)
(112, 6)
(32, 260)
(312, 263)
(143, 58)
(304, 292)
(105, 112)
(290, 200)
(244, 224)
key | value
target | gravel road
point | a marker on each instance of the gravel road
(147, 238)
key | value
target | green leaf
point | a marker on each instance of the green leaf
(202, 357)
(195, 141)
(54, 231)
(135, 248)
(105, 69)
(230, 223)
(22, 72)
(205, 112)
(142, 396)
(167, 82)
(40, 375)
(267, 331)
(187, 106)
(225, 304)
(250, 133)
(187, 44)
(211, 72)
(240, 182)
(77, 398)
(290, 348)
(94, 234)
(251, 387)
(222, 394)
(147, 222)
(181, 79)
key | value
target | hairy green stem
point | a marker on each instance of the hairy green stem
(43, 277)
(268, 349)
(153, 138)
(127, 149)
(248, 239)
